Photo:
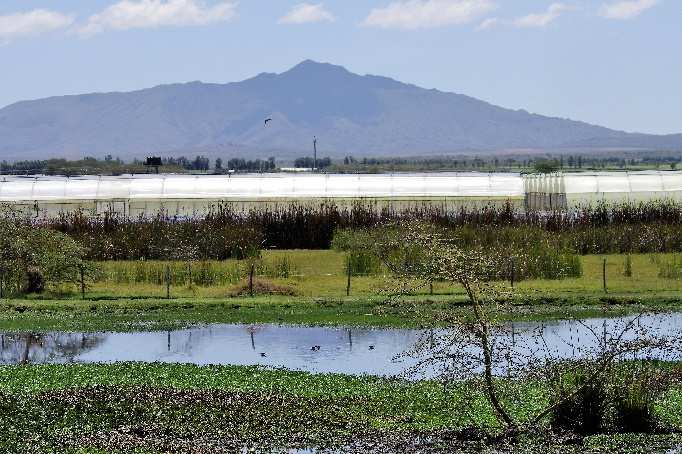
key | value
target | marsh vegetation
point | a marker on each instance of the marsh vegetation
(466, 273)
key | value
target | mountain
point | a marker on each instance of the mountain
(350, 114)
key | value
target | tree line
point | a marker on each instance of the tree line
(110, 165)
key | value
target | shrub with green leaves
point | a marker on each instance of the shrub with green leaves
(33, 257)
(583, 403)
(627, 267)
(531, 255)
(357, 243)
(670, 267)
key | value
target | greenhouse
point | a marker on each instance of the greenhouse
(186, 195)
(569, 190)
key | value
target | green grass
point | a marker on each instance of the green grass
(156, 407)
(323, 274)
(423, 405)
(411, 312)
(318, 277)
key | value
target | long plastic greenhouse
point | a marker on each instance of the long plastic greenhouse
(188, 195)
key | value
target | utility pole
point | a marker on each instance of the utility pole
(314, 153)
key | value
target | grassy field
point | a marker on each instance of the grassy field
(323, 274)
(172, 408)
(318, 280)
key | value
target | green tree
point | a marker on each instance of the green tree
(546, 165)
(32, 257)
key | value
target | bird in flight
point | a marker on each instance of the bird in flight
(267, 120)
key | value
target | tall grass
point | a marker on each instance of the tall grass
(227, 232)
(113, 237)
(204, 273)
(532, 253)
(669, 267)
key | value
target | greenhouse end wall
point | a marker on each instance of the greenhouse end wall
(565, 191)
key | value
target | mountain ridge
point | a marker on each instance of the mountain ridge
(349, 113)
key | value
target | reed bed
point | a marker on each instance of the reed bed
(228, 233)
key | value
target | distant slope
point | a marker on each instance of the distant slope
(351, 114)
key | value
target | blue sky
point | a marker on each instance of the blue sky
(611, 62)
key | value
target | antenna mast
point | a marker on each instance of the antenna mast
(314, 153)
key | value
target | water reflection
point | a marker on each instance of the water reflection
(25, 348)
(314, 349)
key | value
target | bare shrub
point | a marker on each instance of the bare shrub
(476, 346)
(263, 287)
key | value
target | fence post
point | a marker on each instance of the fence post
(604, 274)
(168, 279)
(251, 271)
(431, 287)
(349, 273)
(511, 277)
(81, 270)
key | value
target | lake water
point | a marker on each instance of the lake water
(313, 349)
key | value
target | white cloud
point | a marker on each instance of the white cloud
(31, 23)
(542, 19)
(416, 14)
(626, 10)
(306, 13)
(489, 23)
(129, 14)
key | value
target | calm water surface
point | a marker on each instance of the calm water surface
(313, 349)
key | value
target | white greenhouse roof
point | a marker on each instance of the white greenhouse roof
(606, 182)
(262, 186)
(623, 182)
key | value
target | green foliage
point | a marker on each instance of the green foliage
(636, 392)
(627, 267)
(362, 258)
(203, 273)
(634, 408)
(669, 267)
(623, 400)
(126, 406)
(546, 165)
(534, 253)
(282, 268)
(218, 236)
(581, 412)
(33, 257)
(229, 232)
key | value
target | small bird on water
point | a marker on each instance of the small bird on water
(263, 355)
